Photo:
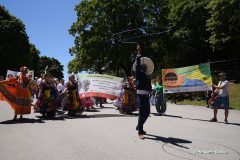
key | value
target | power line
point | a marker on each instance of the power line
(224, 61)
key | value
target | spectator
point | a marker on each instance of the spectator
(222, 98)
(61, 86)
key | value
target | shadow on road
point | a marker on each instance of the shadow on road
(94, 110)
(168, 115)
(57, 118)
(24, 120)
(196, 119)
(97, 116)
(171, 140)
(107, 107)
(81, 116)
(112, 115)
(204, 120)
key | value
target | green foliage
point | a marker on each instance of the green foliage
(224, 26)
(17, 51)
(54, 66)
(14, 44)
(202, 31)
(98, 20)
(189, 31)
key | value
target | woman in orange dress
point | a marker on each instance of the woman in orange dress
(24, 82)
(17, 94)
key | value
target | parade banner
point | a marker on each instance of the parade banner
(187, 79)
(98, 85)
(16, 73)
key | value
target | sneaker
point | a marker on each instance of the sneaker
(213, 120)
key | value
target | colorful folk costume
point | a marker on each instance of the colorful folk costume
(87, 103)
(129, 99)
(19, 98)
(119, 102)
(46, 99)
(73, 99)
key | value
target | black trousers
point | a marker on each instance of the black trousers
(160, 104)
(144, 111)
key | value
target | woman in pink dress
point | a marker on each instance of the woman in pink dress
(87, 103)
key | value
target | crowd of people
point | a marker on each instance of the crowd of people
(52, 95)
(127, 102)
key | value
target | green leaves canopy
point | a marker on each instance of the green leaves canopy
(54, 66)
(202, 31)
(17, 51)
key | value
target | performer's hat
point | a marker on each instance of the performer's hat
(146, 61)
(222, 74)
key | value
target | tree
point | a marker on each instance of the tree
(17, 51)
(15, 48)
(54, 66)
(224, 27)
(201, 31)
(34, 59)
(188, 18)
(98, 21)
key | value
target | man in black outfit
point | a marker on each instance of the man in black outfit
(143, 89)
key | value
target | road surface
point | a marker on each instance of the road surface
(184, 133)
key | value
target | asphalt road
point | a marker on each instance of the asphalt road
(184, 133)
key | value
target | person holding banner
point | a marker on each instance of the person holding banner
(160, 100)
(222, 98)
(143, 89)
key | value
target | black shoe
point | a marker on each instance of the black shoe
(143, 132)
(226, 121)
(159, 114)
(213, 120)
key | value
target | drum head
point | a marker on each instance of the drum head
(148, 62)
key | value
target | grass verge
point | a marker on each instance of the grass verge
(234, 95)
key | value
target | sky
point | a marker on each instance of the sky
(47, 23)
